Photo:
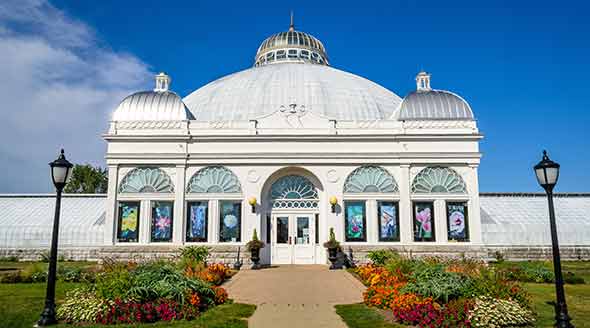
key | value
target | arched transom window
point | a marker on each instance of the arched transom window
(146, 179)
(438, 179)
(293, 191)
(370, 179)
(214, 179)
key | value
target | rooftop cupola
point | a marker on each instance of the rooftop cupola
(291, 46)
(423, 81)
(162, 82)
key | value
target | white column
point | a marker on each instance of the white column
(179, 207)
(440, 221)
(111, 206)
(474, 207)
(372, 225)
(145, 221)
(405, 206)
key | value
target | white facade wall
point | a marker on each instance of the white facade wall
(326, 156)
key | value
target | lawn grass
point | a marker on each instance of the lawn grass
(362, 316)
(21, 304)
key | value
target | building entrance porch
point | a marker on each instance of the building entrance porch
(292, 238)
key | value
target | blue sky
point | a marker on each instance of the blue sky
(522, 65)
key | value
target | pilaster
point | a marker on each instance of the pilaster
(111, 206)
(405, 205)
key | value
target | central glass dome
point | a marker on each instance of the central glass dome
(291, 46)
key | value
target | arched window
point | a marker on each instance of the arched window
(370, 179)
(146, 179)
(293, 191)
(214, 179)
(438, 179)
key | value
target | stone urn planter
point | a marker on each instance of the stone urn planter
(254, 247)
(333, 246)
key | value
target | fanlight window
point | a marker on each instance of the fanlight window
(146, 179)
(214, 179)
(293, 191)
(438, 180)
(370, 179)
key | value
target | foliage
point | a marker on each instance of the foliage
(571, 278)
(221, 295)
(437, 292)
(35, 272)
(81, 305)
(115, 281)
(255, 243)
(157, 280)
(87, 179)
(433, 281)
(9, 258)
(493, 312)
(382, 256)
(194, 254)
(332, 242)
(20, 305)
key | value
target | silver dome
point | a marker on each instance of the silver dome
(294, 46)
(323, 90)
(152, 106)
(429, 104)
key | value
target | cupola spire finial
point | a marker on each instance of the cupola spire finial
(292, 25)
(162, 82)
(423, 81)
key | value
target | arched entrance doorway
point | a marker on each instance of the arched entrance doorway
(293, 212)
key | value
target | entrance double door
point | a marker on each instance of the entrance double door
(293, 239)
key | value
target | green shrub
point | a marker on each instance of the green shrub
(402, 264)
(8, 258)
(382, 256)
(431, 280)
(493, 312)
(195, 254)
(81, 305)
(493, 283)
(34, 272)
(69, 274)
(11, 277)
(115, 282)
(155, 280)
(572, 278)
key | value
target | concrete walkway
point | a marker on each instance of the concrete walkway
(295, 295)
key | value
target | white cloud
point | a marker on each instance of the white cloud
(59, 87)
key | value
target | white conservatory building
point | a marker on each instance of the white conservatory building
(292, 148)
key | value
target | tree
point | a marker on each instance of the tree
(87, 179)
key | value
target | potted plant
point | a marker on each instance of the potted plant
(332, 245)
(254, 247)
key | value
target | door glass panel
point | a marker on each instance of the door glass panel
(282, 230)
(302, 230)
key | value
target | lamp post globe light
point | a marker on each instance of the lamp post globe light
(61, 169)
(547, 172)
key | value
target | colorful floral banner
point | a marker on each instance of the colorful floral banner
(162, 221)
(457, 221)
(197, 222)
(423, 222)
(388, 221)
(355, 221)
(230, 221)
(128, 222)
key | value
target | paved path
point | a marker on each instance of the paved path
(295, 295)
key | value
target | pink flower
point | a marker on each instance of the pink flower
(426, 226)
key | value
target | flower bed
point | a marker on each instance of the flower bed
(433, 292)
(161, 290)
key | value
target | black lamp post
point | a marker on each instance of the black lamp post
(547, 172)
(61, 170)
